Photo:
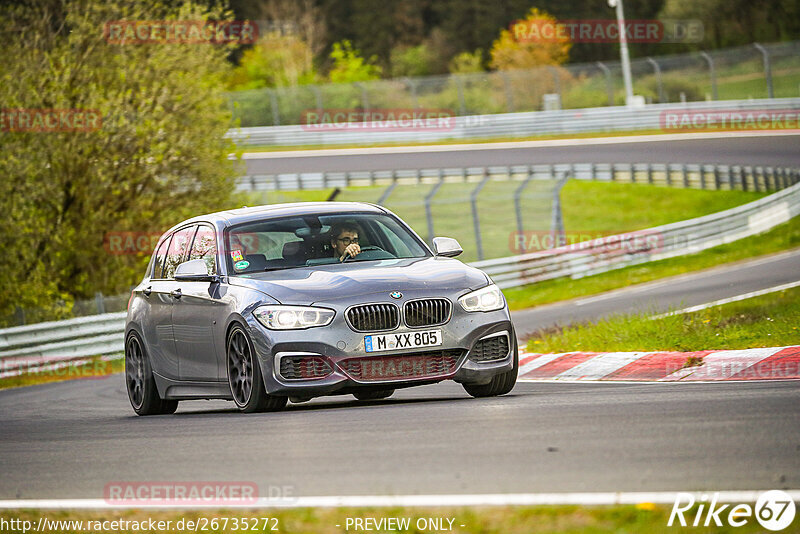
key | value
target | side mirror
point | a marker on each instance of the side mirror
(194, 271)
(446, 246)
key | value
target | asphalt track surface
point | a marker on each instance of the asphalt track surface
(746, 150)
(70, 439)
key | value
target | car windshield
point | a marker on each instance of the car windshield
(309, 240)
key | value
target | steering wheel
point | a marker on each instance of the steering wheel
(363, 249)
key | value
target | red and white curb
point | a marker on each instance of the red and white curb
(774, 363)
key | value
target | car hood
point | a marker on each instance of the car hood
(329, 283)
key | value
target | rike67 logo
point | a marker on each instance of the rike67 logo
(774, 510)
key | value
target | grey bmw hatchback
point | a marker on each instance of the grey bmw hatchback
(289, 302)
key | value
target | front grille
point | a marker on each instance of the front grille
(404, 367)
(490, 349)
(427, 312)
(302, 367)
(374, 317)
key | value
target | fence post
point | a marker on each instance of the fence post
(557, 232)
(650, 173)
(743, 177)
(317, 96)
(712, 73)
(364, 96)
(413, 86)
(767, 69)
(716, 177)
(609, 82)
(659, 81)
(388, 190)
(518, 208)
(428, 199)
(276, 114)
(557, 82)
(685, 174)
(101, 304)
(507, 87)
(462, 106)
(473, 198)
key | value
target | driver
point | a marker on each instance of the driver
(344, 240)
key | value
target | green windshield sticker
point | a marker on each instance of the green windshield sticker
(241, 265)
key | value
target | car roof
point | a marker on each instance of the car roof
(256, 213)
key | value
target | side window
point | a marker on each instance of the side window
(158, 264)
(205, 248)
(178, 250)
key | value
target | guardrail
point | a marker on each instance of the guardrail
(29, 347)
(568, 121)
(32, 346)
(698, 176)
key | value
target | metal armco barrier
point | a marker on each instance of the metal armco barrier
(697, 176)
(568, 121)
(26, 347)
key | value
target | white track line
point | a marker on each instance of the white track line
(455, 147)
(507, 499)
(720, 302)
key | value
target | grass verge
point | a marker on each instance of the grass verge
(767, 321)
(95, 368)
(645, 517)
(783, 237)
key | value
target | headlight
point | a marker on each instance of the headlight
(489, 298)
(292, 317)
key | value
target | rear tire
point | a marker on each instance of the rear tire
(140, 383)
(373, 395)
(244, 376)
(501, 383)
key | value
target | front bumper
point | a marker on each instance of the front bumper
(338, 343)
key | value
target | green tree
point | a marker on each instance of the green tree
(467, 63)
(411, 61)
(510, 52)
(159, 157)
(277, 60)
(349, 66)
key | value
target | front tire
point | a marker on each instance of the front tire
(244, 376)
(501, 383)
(140, 383)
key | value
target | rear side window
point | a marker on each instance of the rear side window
(205, 248)
(178, 250)
(158, 264)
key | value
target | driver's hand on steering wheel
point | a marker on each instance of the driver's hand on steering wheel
(352, 250)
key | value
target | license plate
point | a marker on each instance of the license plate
(402, 340)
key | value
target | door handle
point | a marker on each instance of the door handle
(147, 291)
(176, 293)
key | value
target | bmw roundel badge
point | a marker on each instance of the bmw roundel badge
(396, 294)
